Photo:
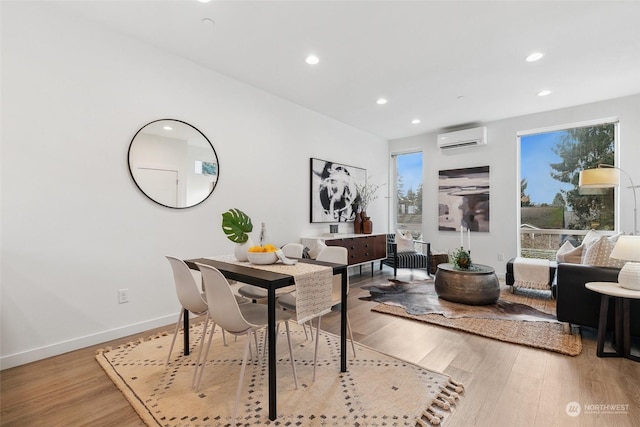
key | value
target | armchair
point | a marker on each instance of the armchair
(411, 260)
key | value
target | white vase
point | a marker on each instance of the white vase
(241, 249)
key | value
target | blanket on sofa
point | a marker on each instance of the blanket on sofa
(531, 273)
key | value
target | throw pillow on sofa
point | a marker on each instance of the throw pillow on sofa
(599, 253)
(405, 242)
(591, 237)
(574, 256)
(565, 248)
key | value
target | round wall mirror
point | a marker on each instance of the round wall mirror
(173, 163)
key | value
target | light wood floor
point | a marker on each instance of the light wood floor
(505, 384)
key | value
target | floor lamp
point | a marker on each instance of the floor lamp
(607, 176)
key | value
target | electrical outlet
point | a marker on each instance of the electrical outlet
(500, 257)
(123, 296)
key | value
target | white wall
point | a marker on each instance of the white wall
(501, 154)
(75, 228)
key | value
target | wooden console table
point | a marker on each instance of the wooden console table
(362, 248)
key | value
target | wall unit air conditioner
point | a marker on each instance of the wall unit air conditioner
(463, 138)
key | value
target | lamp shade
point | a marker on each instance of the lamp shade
(593, 191)
(627, 248)
(599, 178)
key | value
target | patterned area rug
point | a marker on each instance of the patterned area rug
(526, 318)
(377, 390)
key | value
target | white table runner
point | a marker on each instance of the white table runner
(313, 284)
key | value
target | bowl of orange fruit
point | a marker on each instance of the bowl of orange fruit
(262, 255)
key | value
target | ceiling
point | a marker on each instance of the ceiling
(446, 63)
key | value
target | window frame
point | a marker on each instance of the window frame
(615, 121)
(393, 188)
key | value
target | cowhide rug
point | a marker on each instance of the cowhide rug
(420, 297)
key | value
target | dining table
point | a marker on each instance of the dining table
(271, 281)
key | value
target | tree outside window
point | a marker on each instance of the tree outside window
(553, 208)
(409, 193)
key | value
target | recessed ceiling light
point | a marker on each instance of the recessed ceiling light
(534, 56)
(204, 1)
(415, 121)
(312, 60)
(167, 128)
(381, 101)
(544, 92)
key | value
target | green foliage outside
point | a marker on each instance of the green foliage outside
(581, 148)
(586, 148)
(412, 200)
(525, 200)
(410, 197)
(545, 217)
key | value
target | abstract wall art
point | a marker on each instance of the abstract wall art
(333, 190)
(463, 199)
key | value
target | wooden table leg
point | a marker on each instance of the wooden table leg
(602, 326)
(618, 327)
(626, 330)
(185, 324)
(343, 322)
(271, 332)
(621, 332)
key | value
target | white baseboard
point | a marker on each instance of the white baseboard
(40, 353)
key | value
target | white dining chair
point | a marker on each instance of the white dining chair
(336, 255)
(189, 295)
(255, 293)
(237, 320)
(188, 284)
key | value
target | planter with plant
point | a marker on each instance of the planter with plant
(366, 195)
(237, 226)
(461, 259)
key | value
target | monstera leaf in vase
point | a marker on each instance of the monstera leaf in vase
(237, 226)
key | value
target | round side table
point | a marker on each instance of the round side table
(476, 286)
(621, 328)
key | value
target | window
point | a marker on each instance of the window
(552, 206)
(408, 194)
